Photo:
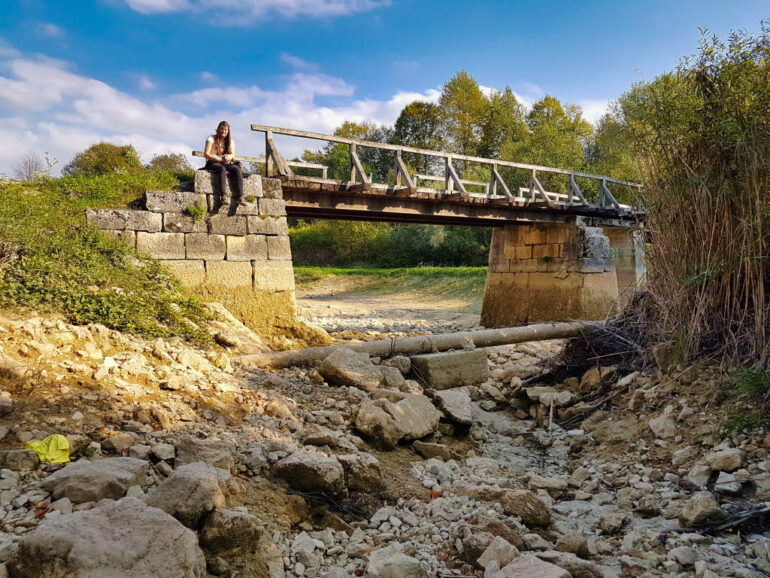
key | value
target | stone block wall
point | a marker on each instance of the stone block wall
(235, 246)
(548, 272)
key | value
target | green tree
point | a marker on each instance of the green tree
(169, 163)
(336, 156)
(504, 123)
(419, 125)
(463, 112)
(104, 158)
(558, 137)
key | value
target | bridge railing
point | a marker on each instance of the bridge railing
(261, 161)
(407, 182)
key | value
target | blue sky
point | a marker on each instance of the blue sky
(160, 74)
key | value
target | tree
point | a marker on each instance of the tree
(504, 123)
(463, 111)
(336, 156)
(419, 125)
(28, 166)
(558, 136)
(104, 158)
(169, 163)
(611, 151)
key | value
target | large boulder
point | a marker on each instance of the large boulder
(527, 506)
(391, 562)
(415, 416)
(218, 453)
(456, 405)
(377, 424)
(347, 367)
(699, 510)
(230, 531)
(84, 481)
(530, 566)
(727, 460)
(312, 472)
(386, 422)
(125, 538)
(362, 472)
(451, 368)
(190, 493)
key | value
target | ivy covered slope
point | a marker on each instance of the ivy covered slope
(51, 261)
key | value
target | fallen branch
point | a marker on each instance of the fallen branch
(424, 343)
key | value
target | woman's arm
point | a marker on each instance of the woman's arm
(230, 153)
(208, 155)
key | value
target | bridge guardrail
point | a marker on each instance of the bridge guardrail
(407, 182)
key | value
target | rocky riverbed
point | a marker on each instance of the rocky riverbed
(185, 463)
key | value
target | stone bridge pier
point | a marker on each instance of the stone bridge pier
(559, 271)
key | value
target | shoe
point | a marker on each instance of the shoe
(225, 200)
(242, 202)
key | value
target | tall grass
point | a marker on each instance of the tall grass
(703, 137)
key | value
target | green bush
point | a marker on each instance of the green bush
(104, 158)
(53, 262)
(197, 212)
(383, 245)
(169, 163)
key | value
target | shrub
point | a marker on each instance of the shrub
(104, 158)
(197, 212)
(56, 263)
(703, 139)
(169, 163)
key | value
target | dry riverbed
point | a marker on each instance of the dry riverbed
(188, 464)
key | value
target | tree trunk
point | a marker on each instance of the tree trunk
(423, 343)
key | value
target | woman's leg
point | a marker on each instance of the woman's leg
(221, 172)
(237, 178)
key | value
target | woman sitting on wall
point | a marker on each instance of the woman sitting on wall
(220, 160)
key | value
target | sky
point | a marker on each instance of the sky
(160, 74)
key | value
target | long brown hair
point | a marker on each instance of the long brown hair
(226, 142)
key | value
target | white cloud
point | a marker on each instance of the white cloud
(593, 109)
(209, 77)
(241, 12)
(6, 50)
(50, 108)
(153, 6)
(296, 62)
(50, 30)
(145, 82)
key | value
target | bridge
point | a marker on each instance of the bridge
(451, 201)
(553, 256)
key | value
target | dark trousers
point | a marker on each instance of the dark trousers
(222, 169)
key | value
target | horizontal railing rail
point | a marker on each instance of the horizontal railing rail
(261, 161)
(454, 185)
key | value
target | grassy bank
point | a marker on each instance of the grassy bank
(52, 262)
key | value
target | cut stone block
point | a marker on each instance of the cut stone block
(273, 275)
(128, 237)
(161, 245)
(268, 226)
(189, 273)
(451, 369)
(205, 184)
(278, 248)
(272, 207)
(205, 246)
(172, 202)
(124, 219)
(233, 209)
(246, 248)
(181, 223)
(229, 274)
(271, 188)
(226, 225)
